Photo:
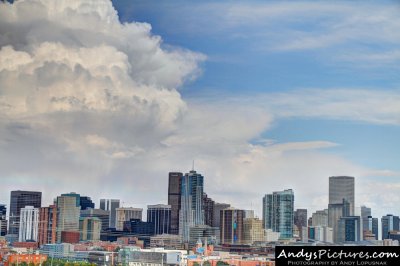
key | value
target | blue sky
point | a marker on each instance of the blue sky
(244, 59)
(256, 48)
(106, 98)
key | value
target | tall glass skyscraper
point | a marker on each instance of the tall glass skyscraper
(191, 212)
(278, 212)
(18, 200)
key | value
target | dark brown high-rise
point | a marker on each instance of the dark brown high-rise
(208, 208)
(231, 221)
(174, 199)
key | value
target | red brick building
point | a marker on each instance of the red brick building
(71, 237)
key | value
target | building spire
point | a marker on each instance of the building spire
(193, 165)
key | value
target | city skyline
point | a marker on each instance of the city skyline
(109, 97)
(278, 214)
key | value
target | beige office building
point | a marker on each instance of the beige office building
(125, 214)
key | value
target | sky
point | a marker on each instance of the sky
(105, 98)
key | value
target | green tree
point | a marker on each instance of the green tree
(221, 263)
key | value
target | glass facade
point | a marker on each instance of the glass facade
(278, 212)
(18, 200)
(349, 229)
(191, 212)
(86, 202)
(389, 223)
(160, 216)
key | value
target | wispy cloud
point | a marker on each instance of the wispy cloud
(328, 29)
(310, 25)
(367, 105)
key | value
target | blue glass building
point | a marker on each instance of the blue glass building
(191, 212)
(278, 212)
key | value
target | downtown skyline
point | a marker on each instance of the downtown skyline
(194, 206)
(263, 96)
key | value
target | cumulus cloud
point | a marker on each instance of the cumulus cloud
(85, 88)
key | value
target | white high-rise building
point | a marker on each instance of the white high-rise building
(29, 224)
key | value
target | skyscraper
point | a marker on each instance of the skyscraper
(111, 206)
(18, 200)
(335, 212)
(342, 187)
(48, 225)
(174, 199)
(160, 216)
(367, 221)
(74, 195)
(218, 207)
(370, 226)
(300, 218)
(203, 232)
(86, 202)
(349, 229)
(341, 195)
(89, 228)
(103, 215)
(365, 212)
(3, 220)
(28, 224)
(278, 212)
(320, 218)
(232, 231)
(208, 209)
(191, 212)
(125, 214)
(389, 223)
(68, 215)
(253, 230)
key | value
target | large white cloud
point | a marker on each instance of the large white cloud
(79, 89)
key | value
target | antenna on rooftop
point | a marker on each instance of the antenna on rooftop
(193, 165)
